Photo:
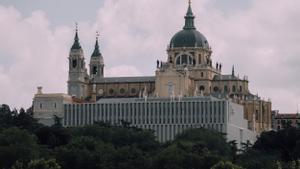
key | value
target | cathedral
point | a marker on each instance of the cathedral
(188, 73)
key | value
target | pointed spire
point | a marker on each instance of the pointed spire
(96, 52)
(189, 18)
(233, 70)
(189, 11)
(76, 44)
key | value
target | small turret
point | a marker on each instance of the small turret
(39, 90)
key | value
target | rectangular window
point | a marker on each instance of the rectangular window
(90, 114)
(65, 115)
(85, 114)
(73, 119)
(205, 111)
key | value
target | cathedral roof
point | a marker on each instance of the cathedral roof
(225, 77)
(189, 36)
(126, 79)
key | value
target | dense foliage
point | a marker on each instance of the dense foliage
(25, 144)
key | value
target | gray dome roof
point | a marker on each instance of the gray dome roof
(189, 38)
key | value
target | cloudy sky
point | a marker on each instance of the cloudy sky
(260, 37)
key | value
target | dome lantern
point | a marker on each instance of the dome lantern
(189, 18)
(189, 36)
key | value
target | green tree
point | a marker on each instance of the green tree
(119, 136)
(25, 120)
(57, 121)
(182, 155)
(234, 149)
(37, 164)
(130, 157)
(22, 119)
(6, 118)
(285, 143)
(257, 159)
(226, 165)
(213, 140)
(246, 146)
(19, 165)
(16, 144)
(85, 152)
(53, 136)
(43, 164)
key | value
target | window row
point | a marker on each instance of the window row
(146, 113)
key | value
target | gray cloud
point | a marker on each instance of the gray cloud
(260, 38)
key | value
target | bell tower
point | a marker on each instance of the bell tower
(78, 78)
(96, 62)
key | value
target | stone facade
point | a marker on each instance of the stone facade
(46, 106)
(187, 72)
(281, 120)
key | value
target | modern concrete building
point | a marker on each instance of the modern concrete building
(188, 74)
(166, 116)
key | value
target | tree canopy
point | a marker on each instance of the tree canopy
(26, 144)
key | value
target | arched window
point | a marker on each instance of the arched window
(216, 89)
(199, 59)
(202, 74)
(74, 63)
(201, 88)
(111, 91)
(184, 60)
(95, 70)
(178, 61)
(241, 89)
(122, 90)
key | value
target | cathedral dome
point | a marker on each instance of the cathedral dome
(189, 38)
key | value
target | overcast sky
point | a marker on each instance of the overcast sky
(260, 37)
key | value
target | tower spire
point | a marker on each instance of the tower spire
(96, 52)
(189, 18)
(76, 44)
(233, 70)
